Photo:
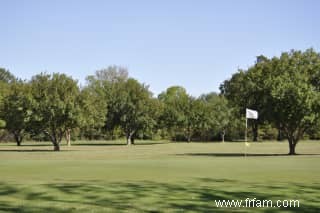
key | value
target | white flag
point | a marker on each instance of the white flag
(251, 114)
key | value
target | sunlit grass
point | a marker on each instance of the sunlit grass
(155, 176)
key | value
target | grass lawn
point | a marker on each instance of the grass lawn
(156, 177)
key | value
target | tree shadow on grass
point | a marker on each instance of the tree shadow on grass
(148, 196)
(148, 143)
(99, 144)
(117, 144)
(23, 148)
(239, 154)
(33, 150)
(36, 144)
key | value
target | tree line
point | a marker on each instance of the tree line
(285, 90)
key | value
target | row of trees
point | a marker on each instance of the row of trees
(285, 90)
(110, 105)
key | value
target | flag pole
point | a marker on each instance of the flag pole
(245, 138)
(250, 114)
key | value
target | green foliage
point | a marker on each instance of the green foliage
(246, 89)
(295, 99)
(107, 85)
(176, 105)
(314, 131)
(129, 104)
(16, 110)
(137, 108)
(55, 106)
(93, 111)
(200, 118)
(218, 115)
(284, 90)
(6, 76)
(5, 79)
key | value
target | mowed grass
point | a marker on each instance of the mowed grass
(156, 177)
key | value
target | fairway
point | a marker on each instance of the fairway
(156, 177)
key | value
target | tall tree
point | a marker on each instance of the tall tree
(93, 105)
(245, 90)
(194, 114)
(54, 108)
(6, 78)
(285, 92)
(130, 105)
(251, 91)
(218, 113)
(294, 94)
(16, 110)
(176, 101)
(136, 110)
(108, 84)
(182, 113)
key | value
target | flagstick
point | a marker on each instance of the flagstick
(250, 114)
(246, 130)
(245, 139)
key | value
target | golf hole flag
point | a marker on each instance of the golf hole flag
(251, 114)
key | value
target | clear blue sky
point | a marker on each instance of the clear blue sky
(193, 43)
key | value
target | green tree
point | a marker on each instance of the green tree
(5, 79)
(294, 94)
(93, 109)
(130, 105)
(194, 113)
(16, 110)
(4, 88)
(108, 84)
(136, 110)
(175, 104)
(246, 89)
(219, 114)
(182, 113)
(284, 90)
(55, 108)
(6, 76)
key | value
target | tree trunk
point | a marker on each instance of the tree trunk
(68, 137)
(279, 137)
(56, 146)
(293, 136)
(189, 138)
(255, 131)
(55, 139)
(222, 135)
(130, 139)
(189, 134)
(18, 138)
(292, 147)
